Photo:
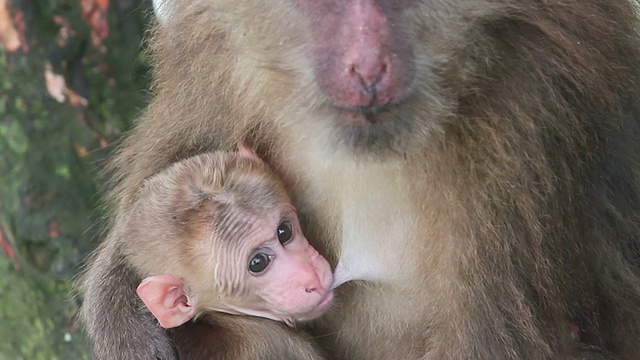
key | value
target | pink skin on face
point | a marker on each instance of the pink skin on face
(297, 282)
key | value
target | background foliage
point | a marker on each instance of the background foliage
(73, 75)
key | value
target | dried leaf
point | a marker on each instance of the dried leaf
(94, 12)
(55, 85)
(65, 31)
(57, 88)
(75, 99)
(53, 227)
(21, 26)
(7, 246)
(80, 149)
(9, 36)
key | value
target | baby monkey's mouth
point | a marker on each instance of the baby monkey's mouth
(322, 307)
(325, 302)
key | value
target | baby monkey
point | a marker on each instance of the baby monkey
(217, 233)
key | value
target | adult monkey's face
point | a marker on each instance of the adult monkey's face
(378, 68)
(374, 76)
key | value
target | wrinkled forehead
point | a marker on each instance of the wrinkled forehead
(234, 215)
(233, 232)
(226, 249)
(237, 227)
(250, 202)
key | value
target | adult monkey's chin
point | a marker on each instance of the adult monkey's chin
(383, 132)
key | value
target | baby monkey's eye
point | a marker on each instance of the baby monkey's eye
(259, 262)
(285, 231)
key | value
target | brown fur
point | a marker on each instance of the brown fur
(510, 210)
(174, 227)
(228, 337)
(177, 226)
(169, 231)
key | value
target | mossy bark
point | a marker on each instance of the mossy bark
(50, 156)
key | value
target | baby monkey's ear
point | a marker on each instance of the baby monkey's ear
(167, 299)
(246, 150)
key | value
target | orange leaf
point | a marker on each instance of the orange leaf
(9, 249)
(65, 31)
(75, 99)
(94, 12)
(57, 88)
(21, 26)
(9, 36)
(80, 149)
(54, 228)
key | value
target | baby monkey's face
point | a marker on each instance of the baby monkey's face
(286, 279)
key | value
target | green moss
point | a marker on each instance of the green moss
(49, 153)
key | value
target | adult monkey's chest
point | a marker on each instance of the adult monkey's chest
(362, 214)
(378, 225)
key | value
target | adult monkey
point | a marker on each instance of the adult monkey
(474, 162)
